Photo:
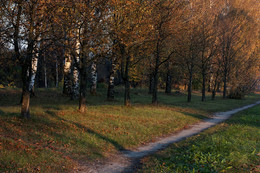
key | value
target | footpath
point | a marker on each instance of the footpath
(126, 161)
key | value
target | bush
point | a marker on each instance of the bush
(236, 93)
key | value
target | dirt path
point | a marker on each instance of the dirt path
(126, 160)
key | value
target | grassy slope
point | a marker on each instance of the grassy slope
(232, 146)
(57, 136)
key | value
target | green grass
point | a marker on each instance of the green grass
(233, 146)
(57, 137)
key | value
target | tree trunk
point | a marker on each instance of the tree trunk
(27, 69)
(25, 112)
(127, 83)
(156, 76)
(35, 58)
(218, 87)
(75, 82)
(45, 74)
(209, 87)
(127, 100)
(190, 85)
(93, 88)
(168, 88)
(155, 89)
(110, 90)
(76, 72)
(26, 76)
(67, 74)
(203, 85)
(214, 90)
(57, 73)
(214, 87)
(45, 77)
(210, 82)
(111, 85)
(33, 74)
(216, 83)
(225, 84)
(83, 89)
(213, 94)
(151, 82)
(25, 100)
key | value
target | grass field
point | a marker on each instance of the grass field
(233, 146)
(57, 137)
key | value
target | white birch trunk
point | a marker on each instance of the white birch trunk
(93, 89)
(75, 81)
(93, 73)
(111, 82)
(33, 72)
(34, 65)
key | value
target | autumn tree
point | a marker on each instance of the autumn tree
(25, 20)
(231, 25)
(129, 33)
(164, 22)
(207, 41)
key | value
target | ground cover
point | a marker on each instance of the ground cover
(232, 146)
(57, 137)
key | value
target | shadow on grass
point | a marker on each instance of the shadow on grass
(10, 114)
(54, 107)
(244, 121)
(50, 125)
(82, 127)
(198, 116)
(54, 99)
(2, 112)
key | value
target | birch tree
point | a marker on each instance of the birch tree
(25, 17)
(75, 69)
(34, 65)
(112, 75)
(93, 74)
(89, 22)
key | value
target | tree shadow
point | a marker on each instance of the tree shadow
(10, 114)
(2, 112)
(35, 130)
(54, 99)
(88, 130)
(198, 116)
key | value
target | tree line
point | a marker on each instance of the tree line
(205, 43)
